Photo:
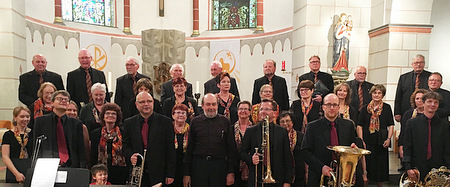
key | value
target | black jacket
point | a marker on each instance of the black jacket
(124, 90)
(167, 90)
(405, 87)
(29, 85)
(211, 86)
(280, 92)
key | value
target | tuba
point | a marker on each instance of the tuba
(137, 171)
(345, 165)
(436, 177)
(265, 149)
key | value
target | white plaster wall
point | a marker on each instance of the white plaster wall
(41, 9)
(440, 40)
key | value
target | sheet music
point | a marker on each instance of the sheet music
(44, 174)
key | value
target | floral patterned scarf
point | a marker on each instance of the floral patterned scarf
(40, 108)
(346, 114)
(226, 104)
(23, 144)
(185, 133)
(243, 168)
(117, 153)
(305, 111)
(374, 124)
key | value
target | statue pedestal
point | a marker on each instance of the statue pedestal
(339, 76)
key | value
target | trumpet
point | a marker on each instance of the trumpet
(265, 149)
(345, 167)
(436, 177)
(137, 171)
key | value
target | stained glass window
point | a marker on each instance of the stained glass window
(233, 14)
(97, 12)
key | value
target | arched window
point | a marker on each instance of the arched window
(233, 14)
(97, 12)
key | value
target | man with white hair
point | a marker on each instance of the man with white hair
(176, 71)
(80, 80)
(125, 84)
(211, 85)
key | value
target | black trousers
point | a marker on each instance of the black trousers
(208, 173)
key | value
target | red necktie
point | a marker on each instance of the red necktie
(417, 80)
(144, 133)
(88, 84)
(333, 138)
(361, 98)
(62, 146)
(429, 140)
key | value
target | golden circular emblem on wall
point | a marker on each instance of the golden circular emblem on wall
(227, 59)
(99, 56)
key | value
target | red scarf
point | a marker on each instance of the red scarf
(40, 108)
(374, 124)
(305, 112)
(117, 153)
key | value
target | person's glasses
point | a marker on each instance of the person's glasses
(62, 99)
(267, 91)
(265, 109)
(434, 80)
(303, 90)
(314, 62)
(285, 121)
(331, 105)
(84, 58)
(361, 73)
(110, 114)
(130, 65)
(183, 113)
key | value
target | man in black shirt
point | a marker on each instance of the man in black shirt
(435, 83)
(32, 80)
(211, 152)
(427, 139)
(323, 81)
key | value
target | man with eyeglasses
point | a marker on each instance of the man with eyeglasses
(30, 82)
(153, 132)
(435, 83)
(323, 81)
(125, 84)
(80, 80)
(407, 83)
(64, 134)
(280, 153)
(280, 91)
(329, 130)
(360, 88)
(211, 153)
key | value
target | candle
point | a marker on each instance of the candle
(109, 79)
(197, 85)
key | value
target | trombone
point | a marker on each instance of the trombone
(137, 171)
(265, 149)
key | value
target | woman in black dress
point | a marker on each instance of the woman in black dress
(375, 128)
(106, 144)
(181, 128)
(17, 146)
(295, 139)
(305, 109)
(227, 101)
(344, 94)
(241, 173)
(179, 87)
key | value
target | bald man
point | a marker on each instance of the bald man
(359, 84)
(77, 84)
(30, 82)
(319, 135)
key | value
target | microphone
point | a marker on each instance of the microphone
(42, 137)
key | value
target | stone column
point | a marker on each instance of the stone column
(58, 12)
(195, 31)
(126, 16)
(399, 31)
(12, 54)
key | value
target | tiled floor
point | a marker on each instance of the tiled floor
(394, 164)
